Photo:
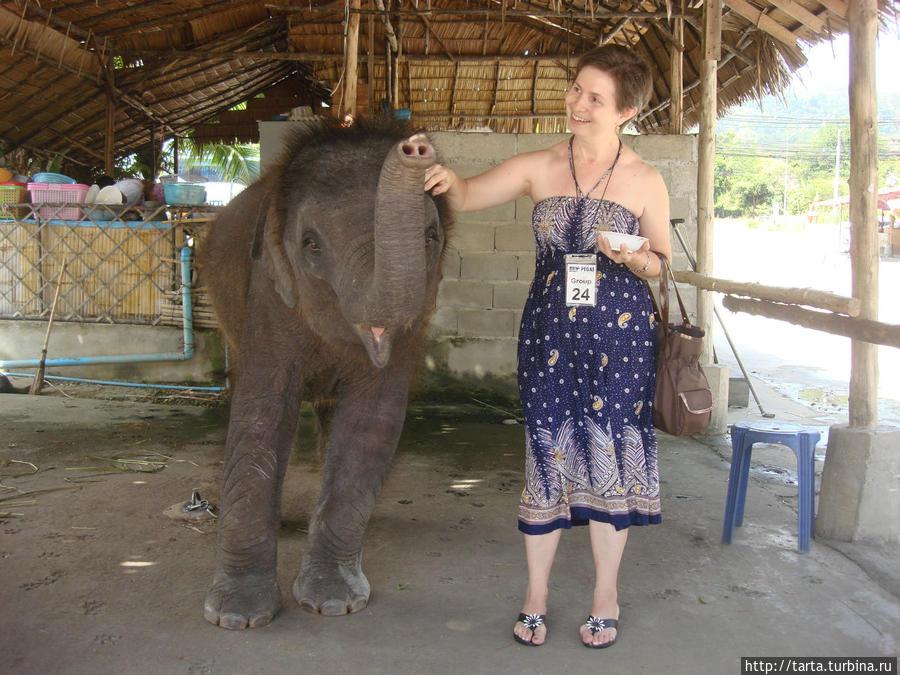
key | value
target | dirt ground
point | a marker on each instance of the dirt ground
(96, 578)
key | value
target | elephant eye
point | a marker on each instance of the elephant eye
(431, 234)
(310, 243)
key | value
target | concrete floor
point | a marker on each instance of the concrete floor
(97, 579)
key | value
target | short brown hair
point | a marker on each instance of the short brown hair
(629, 71)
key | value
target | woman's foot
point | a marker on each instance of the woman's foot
(595, 626)
(596, 632)
(530, 629)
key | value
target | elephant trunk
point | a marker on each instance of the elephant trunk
(398, 291)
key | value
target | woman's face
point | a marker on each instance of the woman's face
(591, 103)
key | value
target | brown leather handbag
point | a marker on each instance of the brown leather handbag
(683, 402)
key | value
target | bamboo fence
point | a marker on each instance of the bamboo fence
(125, 270)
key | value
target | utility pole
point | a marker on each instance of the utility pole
(787, 143)
(837, 176)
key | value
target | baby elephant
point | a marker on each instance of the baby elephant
(323, 275)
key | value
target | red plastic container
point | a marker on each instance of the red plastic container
(57, 193)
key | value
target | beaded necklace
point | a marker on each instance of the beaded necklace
(606, 174)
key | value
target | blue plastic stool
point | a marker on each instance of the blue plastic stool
(802, 440)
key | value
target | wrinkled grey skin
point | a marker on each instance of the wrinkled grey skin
(305, 269)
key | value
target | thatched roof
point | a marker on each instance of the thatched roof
(169, 65)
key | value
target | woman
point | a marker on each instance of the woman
(586, 371)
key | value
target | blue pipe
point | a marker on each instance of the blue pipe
(116, 383)
(187, 353)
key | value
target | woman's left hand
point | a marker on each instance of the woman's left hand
(634, 260)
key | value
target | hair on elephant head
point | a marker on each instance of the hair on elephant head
(348, 237)
(323, 275)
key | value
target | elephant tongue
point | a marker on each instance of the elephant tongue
(377, 344)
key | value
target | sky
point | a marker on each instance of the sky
(829, 63)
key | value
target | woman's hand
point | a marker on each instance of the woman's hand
(439, 179)
(633, 260)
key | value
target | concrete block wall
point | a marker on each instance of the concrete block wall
(489, 264)
(487, 273)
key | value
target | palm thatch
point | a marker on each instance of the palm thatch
(74, 73)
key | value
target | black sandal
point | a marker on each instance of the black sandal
(595, 625)
(532, 622)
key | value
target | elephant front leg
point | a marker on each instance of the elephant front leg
(364, 434)
(245, 591)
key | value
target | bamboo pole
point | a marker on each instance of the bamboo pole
(109, 138)
(370, 64)
(712, 38)
(38, 381)
(351, 56)
(794, 296)
(676, 79)
(396, 68)
(863, 20)
(865, 330)
(596, 14)
(318, 57)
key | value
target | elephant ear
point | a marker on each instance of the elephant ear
(268, 237)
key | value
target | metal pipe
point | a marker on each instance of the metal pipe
(693, 262)
(116, 383)
(184, 355)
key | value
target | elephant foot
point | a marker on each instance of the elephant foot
(332, 589)
(238, 602)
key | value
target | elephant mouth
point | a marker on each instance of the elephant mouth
(377, 342)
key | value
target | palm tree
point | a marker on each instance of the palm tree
(238, 162)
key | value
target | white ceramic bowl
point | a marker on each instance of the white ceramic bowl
(109, 195)
(132, 190)
(632, 241)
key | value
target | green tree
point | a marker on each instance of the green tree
(238, 162)
(745, 183)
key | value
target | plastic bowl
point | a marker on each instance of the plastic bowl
(57, 178)
(132, 189)
(99, 213)
(632, 241)
(185, 194)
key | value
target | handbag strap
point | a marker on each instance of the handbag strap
(662, 309)
(684, 315)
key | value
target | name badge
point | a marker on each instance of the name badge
(581, 279)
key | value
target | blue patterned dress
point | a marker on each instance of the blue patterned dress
(586, 380)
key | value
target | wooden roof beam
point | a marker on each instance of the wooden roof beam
(222, 81)
(430, 31)
(799, 13)
(608, 37)
(837, 7)
(166, 19)
(388, 28)
(248, 89)
(314, 57)
(768, 25)
(125, 98)
(537, 12)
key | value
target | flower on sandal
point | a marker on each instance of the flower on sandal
(596, 625)
(533, 621)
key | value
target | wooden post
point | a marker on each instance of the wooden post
(388, 88)
(676, 79)
(706, 165)
(863, 21)
(395, 97)
(110, 138)
(351, 57)
(371, 63)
